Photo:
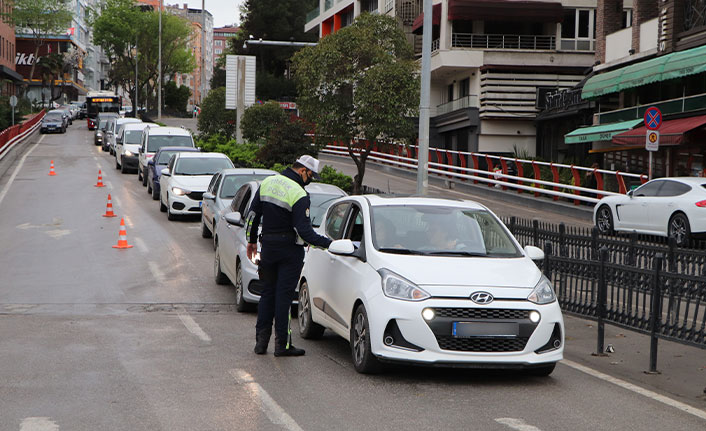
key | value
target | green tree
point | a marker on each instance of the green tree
(285, 144)
(176, 98)
(128, 34)
(214, 118)
(39, 19)
(260, 120)
(360, 86)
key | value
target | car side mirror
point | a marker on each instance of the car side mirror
(233, 218)
(166, 172)
(119, 140)
(343, 247)
(208, 195)
(630, 193)
(534, 253)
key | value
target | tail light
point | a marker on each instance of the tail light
(701, 204)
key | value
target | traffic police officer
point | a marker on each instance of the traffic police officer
(283, 205)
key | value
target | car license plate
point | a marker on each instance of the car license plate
(485, 329)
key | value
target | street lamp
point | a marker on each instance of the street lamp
(423, 150)
(136, 104)
(159, 66)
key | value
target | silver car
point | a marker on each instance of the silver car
(231, 263)
(221, 191)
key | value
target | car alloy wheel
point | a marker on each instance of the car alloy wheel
(604, 220)
(363, 359)
(307, 328)
(679, 228)
(241, 304)
(220, 277)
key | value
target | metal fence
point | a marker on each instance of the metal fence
(638, 282)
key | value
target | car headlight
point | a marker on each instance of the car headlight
(397, 287)
(99, 134)
(129, 153)
(543, 293)
(179, 191)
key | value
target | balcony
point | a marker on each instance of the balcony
(312, 14)
(503, 41)
(672, 106)
(434, 45)
(588, 45)
(470, 101)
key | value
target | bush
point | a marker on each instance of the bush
(331, 176)
(259, 121)
(214, 118)
(285, 144)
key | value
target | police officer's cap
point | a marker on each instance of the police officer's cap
(310, 163)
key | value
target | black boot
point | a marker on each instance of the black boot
(285, 348)
(262, 339)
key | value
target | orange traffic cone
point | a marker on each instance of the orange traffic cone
(109, 209)
(51, 169)
(100, 180)
(122, 241)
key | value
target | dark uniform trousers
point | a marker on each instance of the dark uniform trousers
(281, 263)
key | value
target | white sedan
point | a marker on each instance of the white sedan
(664, 207)
(231, 262)
(185, 179)
(431, 282)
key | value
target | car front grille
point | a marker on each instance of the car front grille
(481, 313)
(481, 344)
(197, 196)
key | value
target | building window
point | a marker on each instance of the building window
(369, 5)
(578, 30)
(450, 93)
(464, 88)
(627, 18)
(219, 51)
(219, 43)
(694, 14)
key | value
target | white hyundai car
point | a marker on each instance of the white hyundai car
(673, 206)
(185, 179)
(127, 145)
(231, 262)
(432, 282)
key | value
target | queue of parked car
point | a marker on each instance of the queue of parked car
(406, 279)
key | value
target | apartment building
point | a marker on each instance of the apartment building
(10, 78)
(489, 60)
(659, 59)
(221, 35)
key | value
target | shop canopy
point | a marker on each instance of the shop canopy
(670, 66)
(670, 133)
(602, 132)
(418, 25)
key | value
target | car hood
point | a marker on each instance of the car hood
(133, 148)
(196, 183)
(461, 276)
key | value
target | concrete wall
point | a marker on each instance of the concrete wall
(618, 44)
(648, 35)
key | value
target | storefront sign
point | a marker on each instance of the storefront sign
(555, 99)
(663, 24)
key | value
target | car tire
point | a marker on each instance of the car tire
(155, 194)
(123, 168)
(308, 329)
(162, 207)
(604, 220)
(680, 229)
(144, 179)
(205, 233)
(542, 371)
(219, 276)
(117, 165)
(241, 305)
(139, 173)
(170, 216)
(364, 361)
(149, 187)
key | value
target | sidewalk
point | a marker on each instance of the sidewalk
(682, 367)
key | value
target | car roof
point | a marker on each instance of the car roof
(168, 131)
(138, 126)
(247, 171)
(180, 149)
(125, 120)
(692, 181)
(200, 155)
(384, 200)
(323, 188)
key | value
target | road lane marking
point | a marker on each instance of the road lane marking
(109, 185)
(156, 272)
(128, 221)
(18, 168)
(637, 389)
(58, 233)
(274, 412)
(517, 424)
(141, 245)
(193, 327)
(38, 424)
(116, 200)
(96, 159)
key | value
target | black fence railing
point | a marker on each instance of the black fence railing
(632, 281)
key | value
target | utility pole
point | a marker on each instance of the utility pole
(136, 104)
(423, 150)
(203, 49)
(159, 66)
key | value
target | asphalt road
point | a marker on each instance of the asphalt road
(94, 338)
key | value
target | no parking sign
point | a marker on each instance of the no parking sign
(653, 120)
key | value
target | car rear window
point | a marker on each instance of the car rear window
(54, 117)
(156, 142)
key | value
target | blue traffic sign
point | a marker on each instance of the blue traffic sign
(653, 118)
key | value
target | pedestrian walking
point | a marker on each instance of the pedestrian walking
(283, 206)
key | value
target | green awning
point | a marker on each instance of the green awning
(603, 132)
(670, 66)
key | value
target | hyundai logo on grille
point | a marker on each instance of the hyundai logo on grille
(481, 297)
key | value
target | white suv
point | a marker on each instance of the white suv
(116, 128)
(185, 179)
(155, 138)
(127, 145)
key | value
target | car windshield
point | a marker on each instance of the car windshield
(232, 183)
(158, 141)
(53, 117)
(102, 124)
(440, 231)
(319, 204)
(201, 165)
(133, 136)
